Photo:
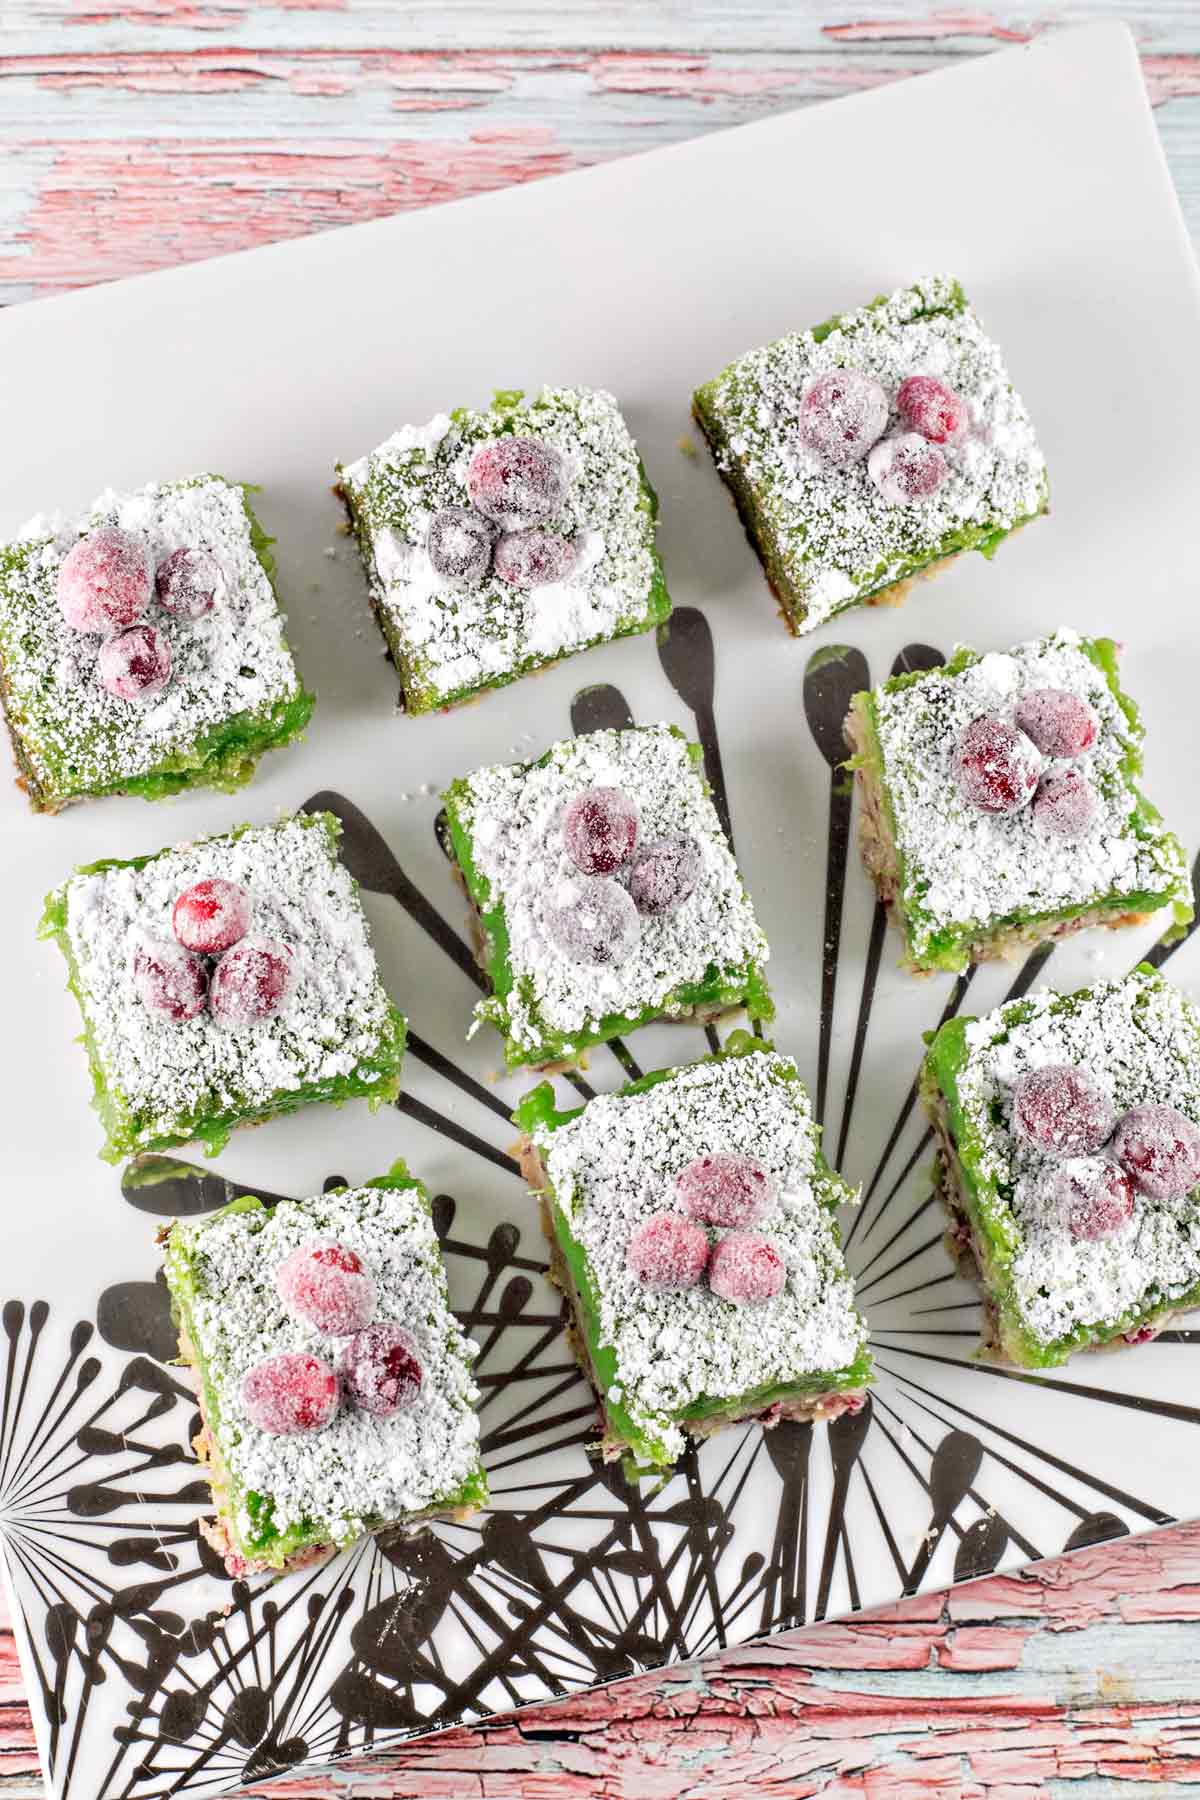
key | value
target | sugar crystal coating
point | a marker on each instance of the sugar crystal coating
(1159, 1148)
(459, 544)
(135, 665)
(211, 915)
(724, 1189)
(186, 582)
(842, 413)
(1059, 722)
(252, 981)
(1095, 1196)
(927, 406)
(325, 1283)
(663, 874)
(517, 481)
(600, 829)
(1063, 1110)
(746, 1267)
(996, 766)
(1065, 805)
(381, 1370)
(534, 558)
(592, 921)
(170, 981)
(105, 581)
(906, 468)
(667, 1253)
(291, 1393)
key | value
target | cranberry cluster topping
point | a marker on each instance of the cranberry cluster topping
(1000, 765)
(214, 961)
(843, 417)
(106, 583)
(671, 1251)
(597, 920)
(514, 484)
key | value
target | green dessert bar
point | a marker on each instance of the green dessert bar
(866, 451)
(335, 1385)
(692, 1219)
(984, 841)
(180, 676)
(604, 892)
(1069, 1164)
(497, 541)
(222, 982)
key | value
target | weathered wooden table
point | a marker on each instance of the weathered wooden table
(141, 133)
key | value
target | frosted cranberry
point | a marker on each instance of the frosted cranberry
(930, 408)
(186, 582)
(842, 413)
(211, 915)
(663, 874)
(592, 921)
(135, 665)
(169, 981)
(105, 581)
(527, 559)
(1159, 1149)
(667, 1253)
(459, 544)
(746, 1268)
(906, 468)
(290, 1392)
(724, 1189)
(1141, 1334)
(1095, 1196)
(381, 1370)
(1058, 722)
(1065, 805)
(251, 982)
(600, 828)
(517, 481)
(1062, 1109)
(996, 767)
(326, 1285)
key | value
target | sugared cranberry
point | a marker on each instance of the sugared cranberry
(211, 915)
(996, 767)
(290, 1392)
(842, 413)
(927, 406)
(105, 581)
(600, 828)
(663, 874)
(1159, 1149)
(1058, 722)
(169, 981)
(1065, 805)
(381, 1370)
(186, 582)
(326, 1284)
(667, 1253)
(1095, 1197)
(459, 544)
(1141, 1334)
(725, 1189)
(135, 665)
(592, 921)
(527, 559)
(251, 982)
(517, 481)
(746, 1268)
(1062, 1110)
(906, 468)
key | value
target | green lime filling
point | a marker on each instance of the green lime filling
(376, 1078)
(184, 1270)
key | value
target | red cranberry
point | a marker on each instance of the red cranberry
(1062, 1110)
(600, 828)
(724, 1189)
(997, 768)
(906, 468)
(842, 413)
(927, 406)
(517, 481)
(169, 981)
(667, 1253)
(746, 1268)
(1065, 805)
(663, 874)
(326, 1285)
(1096, 1198)
(381, 1370)
(290, 1392)
(592, 921)
(252, 981)
(1159, 1149)
(186, 582)
(211, 915)
(136, 664)
(527, 559)
(1141, 1334)
(459, 544)
(105, 581)
(1058, 722)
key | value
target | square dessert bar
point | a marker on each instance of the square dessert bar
(605, 894)
(872, 447)
(335, 1386)
(142, 647)
(1000, 804)
(693, 1230)
(498, 541)
(222, 982)
(1069, 1127)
